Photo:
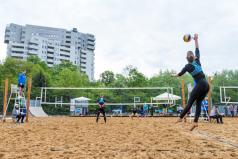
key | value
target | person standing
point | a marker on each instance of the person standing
(21, 82)
(231, 108)
(101, 105)
(134, 112)
(152, 110)
(146, 109)
(201, 89)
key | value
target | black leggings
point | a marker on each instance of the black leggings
(101, 110)
(198, 93)
(20, 117)
(218, 117)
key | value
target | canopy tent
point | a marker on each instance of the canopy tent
(167, 96)
(82, 99)
(79, 106)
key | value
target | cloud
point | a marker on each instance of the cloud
(146, 34)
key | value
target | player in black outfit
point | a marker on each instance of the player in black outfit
(201, 89)
(101, 103)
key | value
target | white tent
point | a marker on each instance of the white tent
(167, 96)
(82, 99)
(79, 106)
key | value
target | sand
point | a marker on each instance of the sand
(122, 138)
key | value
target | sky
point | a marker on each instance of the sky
(147, 34)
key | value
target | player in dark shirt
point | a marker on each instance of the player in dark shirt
(101, 103)
(201, 88)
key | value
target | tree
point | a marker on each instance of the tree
(135, 78)
(107, 77)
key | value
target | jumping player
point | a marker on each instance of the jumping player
(201, 89)
(21, 81)
(101, 103)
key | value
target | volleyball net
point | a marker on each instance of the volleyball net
(113, 96)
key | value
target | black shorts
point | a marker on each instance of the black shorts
(134, 112)
(21, 85)
(101, 110)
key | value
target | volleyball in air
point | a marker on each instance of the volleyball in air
(187, 38)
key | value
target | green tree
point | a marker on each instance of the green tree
(134, 77)
(107, 77)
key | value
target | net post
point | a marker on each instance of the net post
(28, 99)
(5, 100)
(45, 95)
(183, 94)
(221, 94)
(224, 90)
(41, 95)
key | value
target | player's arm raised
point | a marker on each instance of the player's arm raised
(197, 52)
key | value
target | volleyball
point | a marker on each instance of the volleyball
(187, 37)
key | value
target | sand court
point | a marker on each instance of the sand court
(68, 137)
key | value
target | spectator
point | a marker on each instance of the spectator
(19, 114)
(226, 110)
(152, 110)
(142, 114)
(235, 110)
(179, 110)
(134, 113)
(145, 109)
(205, 107)
(215, 114)
(231, 108)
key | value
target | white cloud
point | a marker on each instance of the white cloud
(146, 34)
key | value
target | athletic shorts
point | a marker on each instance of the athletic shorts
(21, 85)
(134, 112)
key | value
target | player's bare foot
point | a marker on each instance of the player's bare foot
(194, 126)
(185, 119)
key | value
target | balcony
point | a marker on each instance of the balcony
(17, 57)
(33, 43)
(68, 42)
(17, 49)
(17, 54)
(91, 43)
(6, 39)
(65, 51)
(91, 47)
(33, 47)
(50, 49)
(50, 55)
(50, 52)
(50, 60)
(32, 52)
(64, 60)
(7, 31)
(91, 37)
(65, 55)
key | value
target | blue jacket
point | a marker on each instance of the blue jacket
(22, 78)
